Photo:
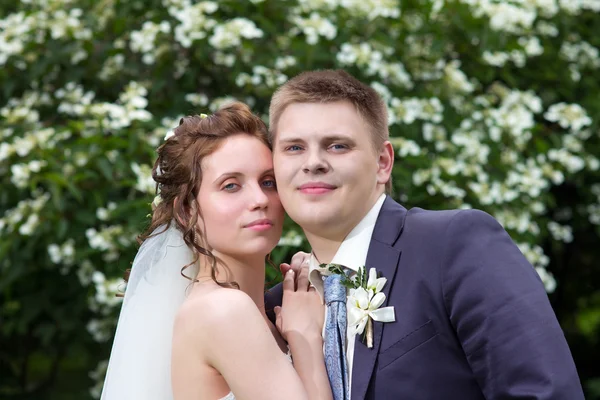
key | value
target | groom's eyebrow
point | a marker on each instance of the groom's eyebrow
(337, 138)
(329, 138)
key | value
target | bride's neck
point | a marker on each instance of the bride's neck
(247, 272)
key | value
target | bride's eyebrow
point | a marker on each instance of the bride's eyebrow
(227, 175)
(235, 174)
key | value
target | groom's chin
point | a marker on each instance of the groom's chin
(315, 218)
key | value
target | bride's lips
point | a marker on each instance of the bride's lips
(260, 225)
(316, 188)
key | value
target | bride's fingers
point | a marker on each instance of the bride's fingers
(284, 268)
(288, 281)
(298, 261)
(302, 283)
(278, 321)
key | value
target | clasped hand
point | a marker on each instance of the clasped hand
(302, 312)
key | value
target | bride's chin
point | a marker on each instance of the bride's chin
(250, 255)
(263, 248)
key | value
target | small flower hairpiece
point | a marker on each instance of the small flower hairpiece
(171, 132)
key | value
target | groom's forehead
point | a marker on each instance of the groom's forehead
(302, 115)
(302, 127)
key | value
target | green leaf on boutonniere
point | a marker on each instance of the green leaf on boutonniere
(339, 270)
(362, 274)
(334, 268)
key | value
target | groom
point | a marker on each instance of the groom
(472, 319)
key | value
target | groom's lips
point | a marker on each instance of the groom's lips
(316, 188)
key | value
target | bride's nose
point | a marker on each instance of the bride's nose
(258, 198)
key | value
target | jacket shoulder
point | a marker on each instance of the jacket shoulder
(440, 222)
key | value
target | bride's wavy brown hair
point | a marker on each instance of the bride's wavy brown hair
(178, 173)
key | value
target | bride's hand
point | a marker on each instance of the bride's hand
(296, 263)
(302, 312)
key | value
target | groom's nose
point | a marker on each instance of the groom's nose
(315, 162)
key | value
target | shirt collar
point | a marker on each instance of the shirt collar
(352, 252)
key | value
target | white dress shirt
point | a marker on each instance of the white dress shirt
(352, 254)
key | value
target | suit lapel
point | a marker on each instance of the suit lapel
(384, 258)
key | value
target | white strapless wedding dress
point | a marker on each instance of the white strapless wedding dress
(231, 396)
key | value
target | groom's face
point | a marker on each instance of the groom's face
(326, 167)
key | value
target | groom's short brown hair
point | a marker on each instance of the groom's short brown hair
(328, 86)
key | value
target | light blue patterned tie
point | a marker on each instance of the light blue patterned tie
(335, 336)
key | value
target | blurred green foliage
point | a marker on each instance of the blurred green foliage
(493, 105)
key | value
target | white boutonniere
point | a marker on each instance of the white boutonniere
(365, 298)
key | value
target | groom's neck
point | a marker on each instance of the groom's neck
(324, 248)
(325, 238)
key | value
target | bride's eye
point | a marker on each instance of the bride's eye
(230, 187)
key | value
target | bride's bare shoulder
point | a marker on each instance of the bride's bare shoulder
(209, 311)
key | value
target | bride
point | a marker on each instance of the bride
(193, 323)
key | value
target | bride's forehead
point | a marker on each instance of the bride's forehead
(241, 143)
(240, 153)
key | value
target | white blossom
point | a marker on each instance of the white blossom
(194, 20)
(373, 60)
(560, 232)
(547, 279)
(314, 27)
(261, 76)
(29, 226)
(231, 33)
(575, 7)
(291, 238)
(145, 182)
(197, 99)
(571, 116)
(457, 78)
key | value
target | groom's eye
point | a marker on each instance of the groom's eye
(338, 146)
(294, 148)
(270, 184)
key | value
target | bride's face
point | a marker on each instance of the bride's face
(241, 214)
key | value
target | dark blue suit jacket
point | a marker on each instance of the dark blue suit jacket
(472, 318)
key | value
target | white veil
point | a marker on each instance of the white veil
(140, 360)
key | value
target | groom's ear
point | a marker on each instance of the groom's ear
(385, 162)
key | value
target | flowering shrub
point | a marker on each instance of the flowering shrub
(493, 105)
